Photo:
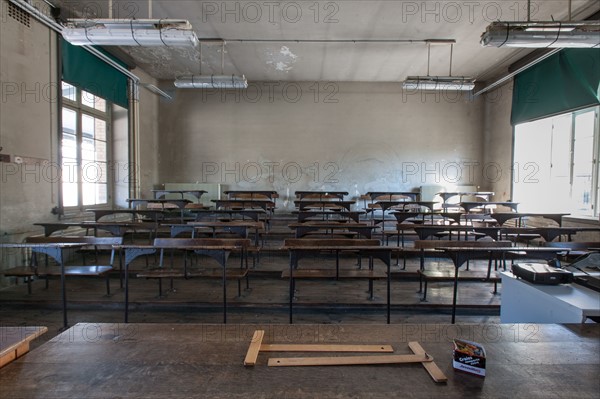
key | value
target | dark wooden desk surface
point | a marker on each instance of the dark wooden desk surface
(194, 360)
(14, 341)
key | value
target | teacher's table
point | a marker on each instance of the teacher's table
(166, 360)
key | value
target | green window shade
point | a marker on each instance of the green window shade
(567, 81)
(84, 70)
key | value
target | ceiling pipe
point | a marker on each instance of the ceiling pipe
(40, 16)
(510, 75)
(58, 28)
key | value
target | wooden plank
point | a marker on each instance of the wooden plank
(14, 342)
(347, 360)
(325, 348)
(254, 348)
(432, 368)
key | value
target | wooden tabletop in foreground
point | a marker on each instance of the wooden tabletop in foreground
(198, 360)
(14, 342)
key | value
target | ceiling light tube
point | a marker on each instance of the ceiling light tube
(212, 82)
(134, 32)
(439, 83)
(552, 34)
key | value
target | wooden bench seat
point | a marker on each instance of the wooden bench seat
(426, 276)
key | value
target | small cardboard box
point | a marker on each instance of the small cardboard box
(469, 357)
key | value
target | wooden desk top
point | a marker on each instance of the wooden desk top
(502, 217)
(321, 194)
(266, 193)
(233, 223)
(194, 360)
(469, 205)
(389, 204)
(330, 225)
(483, 194)
(162, 193)
(375, 194)
(14, 341)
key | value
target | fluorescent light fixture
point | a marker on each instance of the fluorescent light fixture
(553, 34)
(212, 82)
(440, 83)
(130, 32)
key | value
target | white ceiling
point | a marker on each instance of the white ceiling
(245, 23)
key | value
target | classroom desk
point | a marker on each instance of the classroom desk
(98, 361)
(373, 195)
(445, 216)
(482, 194)
(14, 341)
(372, 251)
(460, 255)
(158, 194)
(56, 252)
(385, 205)
(219, 253)
(239, 227)
(154, 214)
(424, 232)
(503, 217)
(264, 204)
(525, 302)
(179, 203)
(323, 204)
(254, 214)
(468, 206)
(114, 228)
(304, 216)
(361, 229)
(320, 194)
(270, 194)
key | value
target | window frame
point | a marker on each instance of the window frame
(595, 169)
(80, 108)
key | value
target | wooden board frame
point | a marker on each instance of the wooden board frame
(419, 355)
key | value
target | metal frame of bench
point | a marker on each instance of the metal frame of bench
(218, 249)
(299, 248)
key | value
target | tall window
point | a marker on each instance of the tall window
(84, 148)
(556, 164)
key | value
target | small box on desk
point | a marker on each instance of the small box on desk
(469, 357)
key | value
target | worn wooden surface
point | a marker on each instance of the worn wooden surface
(14, 342)
(185, 361)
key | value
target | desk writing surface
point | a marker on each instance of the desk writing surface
(14, 342)
(194, 360)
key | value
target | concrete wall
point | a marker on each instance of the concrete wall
(148, 136)
(498, 134)
(28, 125)
(356, 137)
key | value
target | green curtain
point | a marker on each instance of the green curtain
(566, 81)
(86, 71)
